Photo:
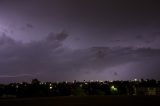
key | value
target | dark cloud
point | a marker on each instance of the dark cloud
(150, 37)
(155, 35)
(4, 40)
(29, 25)
(139, 37)
(115, 38)
(59, 37)
(150, 66)
(115, 73)
(49, 58)
(26, 27)
(17, 57)
(53, 62)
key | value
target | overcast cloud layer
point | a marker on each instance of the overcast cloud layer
(79, 39)
(48, 60)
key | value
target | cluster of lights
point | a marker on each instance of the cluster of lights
(113, 88)
(50, 86)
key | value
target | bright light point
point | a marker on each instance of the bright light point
(50, 87)
(135, 79)
(113, 88)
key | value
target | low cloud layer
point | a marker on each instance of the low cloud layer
(49, 60)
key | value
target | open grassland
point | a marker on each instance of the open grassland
(84, 101)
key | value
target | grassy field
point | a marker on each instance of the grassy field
(84, 101)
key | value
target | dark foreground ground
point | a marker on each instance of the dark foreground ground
(84, 101)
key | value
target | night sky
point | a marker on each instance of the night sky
(58, 40)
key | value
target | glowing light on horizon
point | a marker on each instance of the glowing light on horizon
(113, 88)
(50, 87)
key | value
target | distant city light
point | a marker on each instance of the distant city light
(80, 85)
(113, 88)
(101, 81)
(135, 79)
(41, 83)
(50, 87)
(85, 83)
(91, 80)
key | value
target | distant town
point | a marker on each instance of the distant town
(36, 88)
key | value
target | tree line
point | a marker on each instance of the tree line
(45, 89)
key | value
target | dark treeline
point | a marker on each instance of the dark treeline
(43, 89)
